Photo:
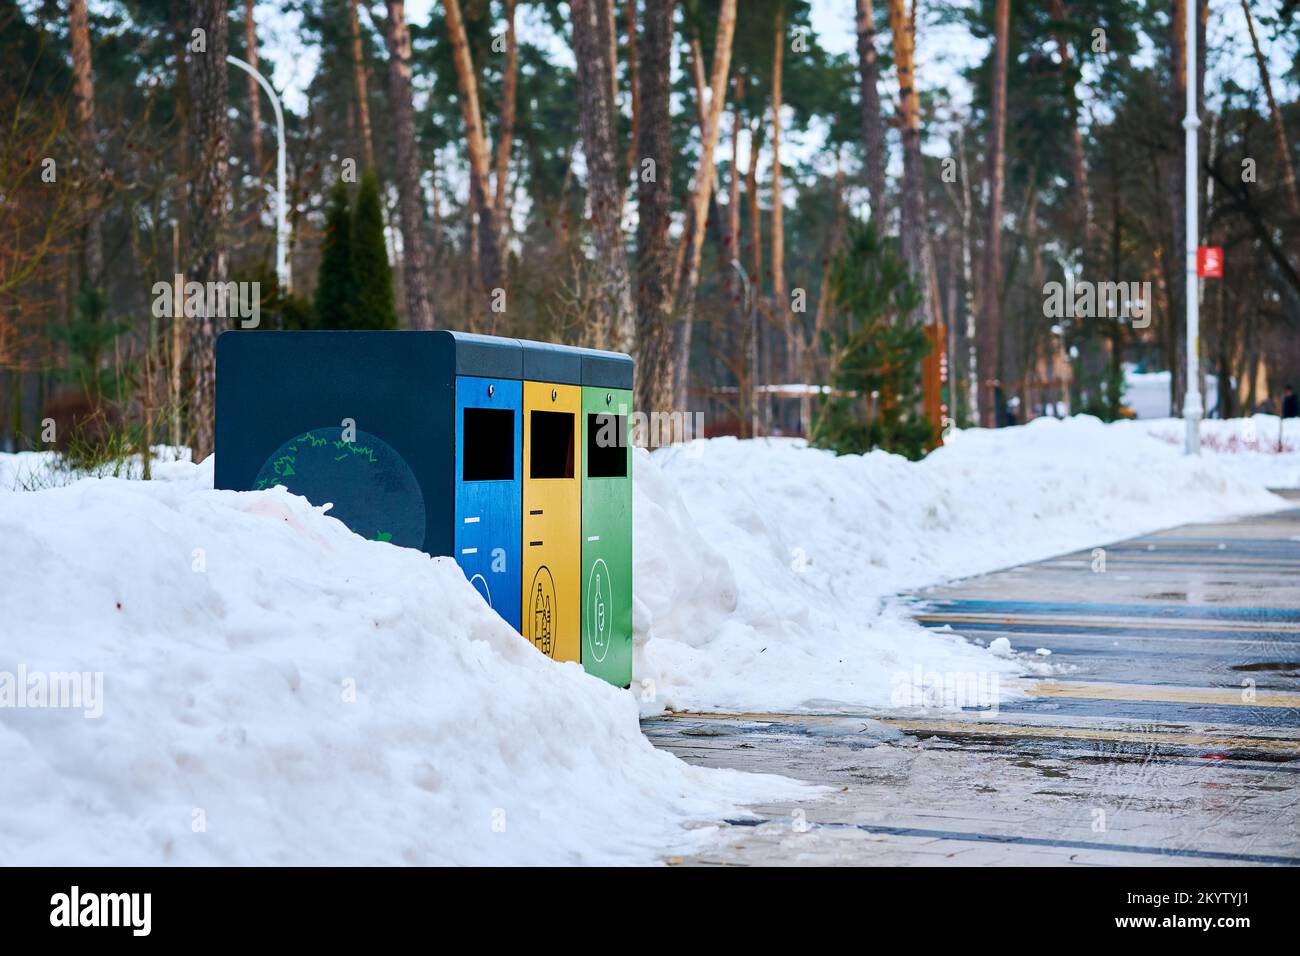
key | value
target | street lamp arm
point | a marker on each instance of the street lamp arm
(281, 177)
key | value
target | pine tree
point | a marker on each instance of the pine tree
(336, 284)
(376, 307)
(876, 350)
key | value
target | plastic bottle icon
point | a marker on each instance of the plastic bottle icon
(543, 621)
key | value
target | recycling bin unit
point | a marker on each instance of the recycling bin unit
(469, 446)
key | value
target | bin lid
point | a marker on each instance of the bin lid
(606, 369)
(546, 362)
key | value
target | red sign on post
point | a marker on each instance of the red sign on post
(1209, 262)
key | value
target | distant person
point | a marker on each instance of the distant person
(1290, 403)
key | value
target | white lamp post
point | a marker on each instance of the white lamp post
(1192, 408)
(281, 207)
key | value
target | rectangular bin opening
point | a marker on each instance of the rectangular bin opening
(606, 446)
(551, 445)
(489, 437)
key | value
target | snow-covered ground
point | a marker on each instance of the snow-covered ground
(39, 470)
(277, 689)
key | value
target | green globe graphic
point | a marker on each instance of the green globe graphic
(373, 490)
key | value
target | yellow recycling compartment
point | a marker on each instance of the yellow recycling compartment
(552, 517)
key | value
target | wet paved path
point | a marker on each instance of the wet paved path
(1168, 734)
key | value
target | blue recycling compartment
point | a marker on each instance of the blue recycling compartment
(489, 483)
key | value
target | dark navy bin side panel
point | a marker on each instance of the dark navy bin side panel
(488, 521)
(282, 398)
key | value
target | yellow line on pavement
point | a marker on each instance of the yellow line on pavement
(1231, 696)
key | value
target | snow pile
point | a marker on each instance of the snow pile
(1261, 448)
(278, 690)
(762, 586)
